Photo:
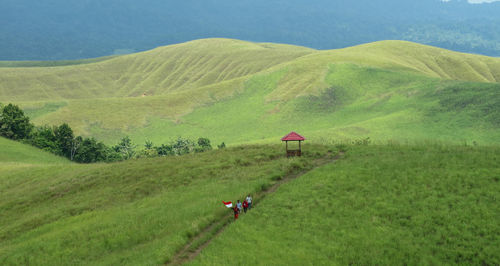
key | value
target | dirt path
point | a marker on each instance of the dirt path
(203, 239)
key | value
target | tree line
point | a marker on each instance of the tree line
(60, 140)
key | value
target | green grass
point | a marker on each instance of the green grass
(241, 92)
(161, 71)
(380, 205)
(386, 204)
(133, 212)
(14, 154)
(403, 107)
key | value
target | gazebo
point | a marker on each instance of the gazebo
(292, 136)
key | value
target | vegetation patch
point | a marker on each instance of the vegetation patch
(417, 204)
(133, 212)
(478, 100)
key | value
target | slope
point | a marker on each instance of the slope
(306, 74)
(156, 72)
(13, 153)
(385, 205)
(236, 91)
(133, 212)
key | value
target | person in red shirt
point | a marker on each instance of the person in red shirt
(236, 212)
(245, 205)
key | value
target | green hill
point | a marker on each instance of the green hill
(157, 72)
(385, 204)
(381, 205)
(13, 153)
(237, 92)
(133, 212)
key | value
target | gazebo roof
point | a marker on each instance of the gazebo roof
(292, 136)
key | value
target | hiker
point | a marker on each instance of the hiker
(236, 211)
(239, 205)
(249, 200)
(245, 205)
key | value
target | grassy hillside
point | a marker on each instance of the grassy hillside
(13, 154)
(237, 92)
(133, 212)
(384, 205)
(157, 72)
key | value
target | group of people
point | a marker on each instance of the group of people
(246, 205)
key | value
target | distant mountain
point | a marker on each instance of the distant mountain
(61, 29)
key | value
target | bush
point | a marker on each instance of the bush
(221, 146)
(13, 123)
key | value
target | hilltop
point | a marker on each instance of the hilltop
(162, 71)
(237, 91)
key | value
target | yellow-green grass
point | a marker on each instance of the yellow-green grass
(237, 92)
(157, 72)
(414, 108)
(14, 154)
(138, 212)
(379, 205)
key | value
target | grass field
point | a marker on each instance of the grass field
(15, 154)
(380, 205)
(236, 92)
(425, 191)
(134, 212)
(422, 203)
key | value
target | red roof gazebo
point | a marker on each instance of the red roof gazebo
(293, 136)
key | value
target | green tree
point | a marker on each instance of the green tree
(203, 145)
(64, 139)
(148, 145)
(183, 146)
(91, 151)
(149, 150)
(125, 148)
(165, 150)
(75, 145)
(44, 138)
(13, 123)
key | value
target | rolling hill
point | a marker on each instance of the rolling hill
(14, 153)
(134, 212)
(378, 203)
(236, 91)
(423, 203)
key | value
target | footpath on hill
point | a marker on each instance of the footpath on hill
(203, 239)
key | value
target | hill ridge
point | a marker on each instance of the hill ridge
(207, 87)
(158, 71)
(205, 62)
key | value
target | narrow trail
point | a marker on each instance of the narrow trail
(195, 245)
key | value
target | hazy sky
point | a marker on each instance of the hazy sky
(482, 1)
(475, 1)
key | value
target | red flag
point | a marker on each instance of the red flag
(228, 204)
